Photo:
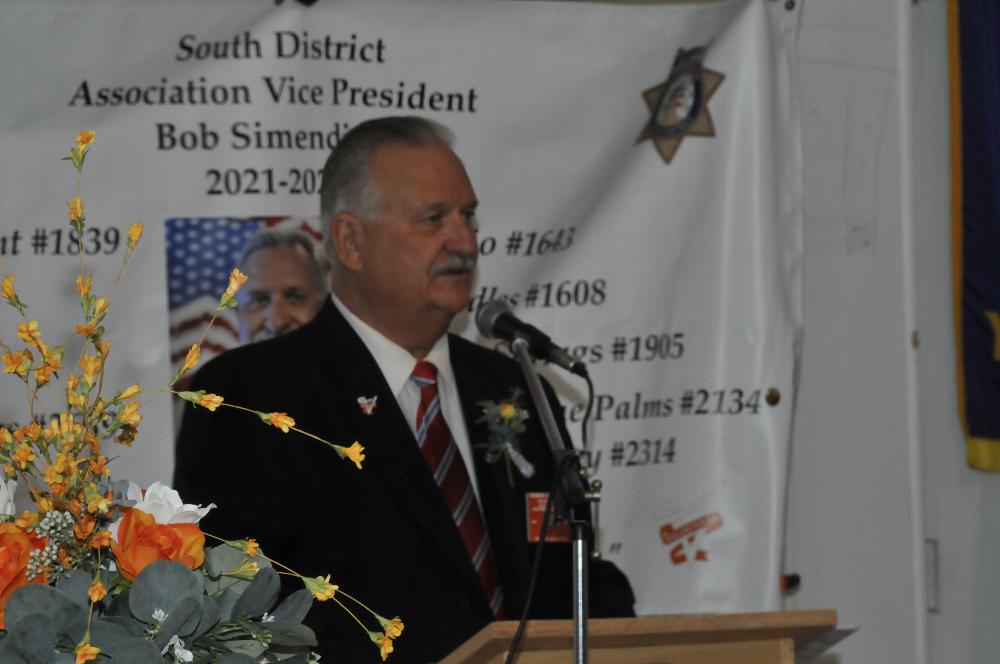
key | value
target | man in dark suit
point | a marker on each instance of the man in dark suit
(430, 529)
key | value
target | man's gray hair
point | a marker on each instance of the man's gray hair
(276, 238)
(346, 173)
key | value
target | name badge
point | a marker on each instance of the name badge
(535, 511)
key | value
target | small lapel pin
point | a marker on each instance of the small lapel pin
(367, 404)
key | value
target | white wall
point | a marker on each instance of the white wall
(961, 506)
(854, 520)
(878, 460)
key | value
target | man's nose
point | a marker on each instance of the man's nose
(462, 235)
(279, 317)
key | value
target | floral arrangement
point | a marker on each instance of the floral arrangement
(504, 421)
(103, 571)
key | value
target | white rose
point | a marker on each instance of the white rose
(7, 489)
(164, 504)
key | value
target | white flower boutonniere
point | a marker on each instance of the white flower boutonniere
(505, 420)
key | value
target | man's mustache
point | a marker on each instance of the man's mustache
(454, 263)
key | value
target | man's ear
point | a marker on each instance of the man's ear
(347, 238)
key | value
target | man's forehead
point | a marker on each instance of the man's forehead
(418, 178)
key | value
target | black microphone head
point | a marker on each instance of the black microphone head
(487, 315)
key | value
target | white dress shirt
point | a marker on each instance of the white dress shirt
(396, 365)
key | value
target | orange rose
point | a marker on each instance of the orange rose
(142, 541)
(15, 547)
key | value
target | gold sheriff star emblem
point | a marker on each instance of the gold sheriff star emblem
(679, 106)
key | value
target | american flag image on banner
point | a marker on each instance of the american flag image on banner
(201, 252)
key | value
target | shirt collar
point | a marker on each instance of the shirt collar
(394, 361)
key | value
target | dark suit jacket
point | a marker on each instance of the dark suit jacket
(383, 533)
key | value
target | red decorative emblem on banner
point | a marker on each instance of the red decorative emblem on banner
(684, 540)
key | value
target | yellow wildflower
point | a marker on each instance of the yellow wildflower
(126, 436)
(6, 440)
(43, 374)
(90, 364)
(84, 527)
(98, 466)
(29, 333)
(192, 357)
(73, 396)
(393, 628)
(355, 453)
(103, 347)
(86, 653)
(384, 643)
(96, 501)
(236, 281)
(101, 540)
(210, 401)
(508, 411)
(134, 233)
(83, 140)
(246, 570)
(87, 330)
(7, 287)
(29, 431)
(100, 308)
(130, 414)
(53, 475)
(279, 420)
(128, 392)
(84, 284)
(320, 587)
(18, 363)
(252, 548)
(27, 520)
(97, 591)
(75, 210)
(23, 456)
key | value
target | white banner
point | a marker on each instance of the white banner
(638, 168)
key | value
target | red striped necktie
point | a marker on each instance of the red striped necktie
(445, 462)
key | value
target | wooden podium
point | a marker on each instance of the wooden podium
(743, 638)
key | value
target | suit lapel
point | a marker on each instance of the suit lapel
(392, 456)
(501, 500)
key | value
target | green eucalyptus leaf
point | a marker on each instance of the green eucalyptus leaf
(163, 585)
(220, 558)
(132, 626)
(290, 634)
(31, 640)
(132, 650)
(235, 658)
(248, 647)
(181, 620)
(119, 605)
(294, 607)
(209, 617)
(106, 634)
(298, 658)
(226, 601)
(65, 616)
(260, 595)
(75, 587)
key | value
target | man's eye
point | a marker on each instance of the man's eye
(256, 300)
(296, 296)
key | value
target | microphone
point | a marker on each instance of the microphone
(496, 321)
